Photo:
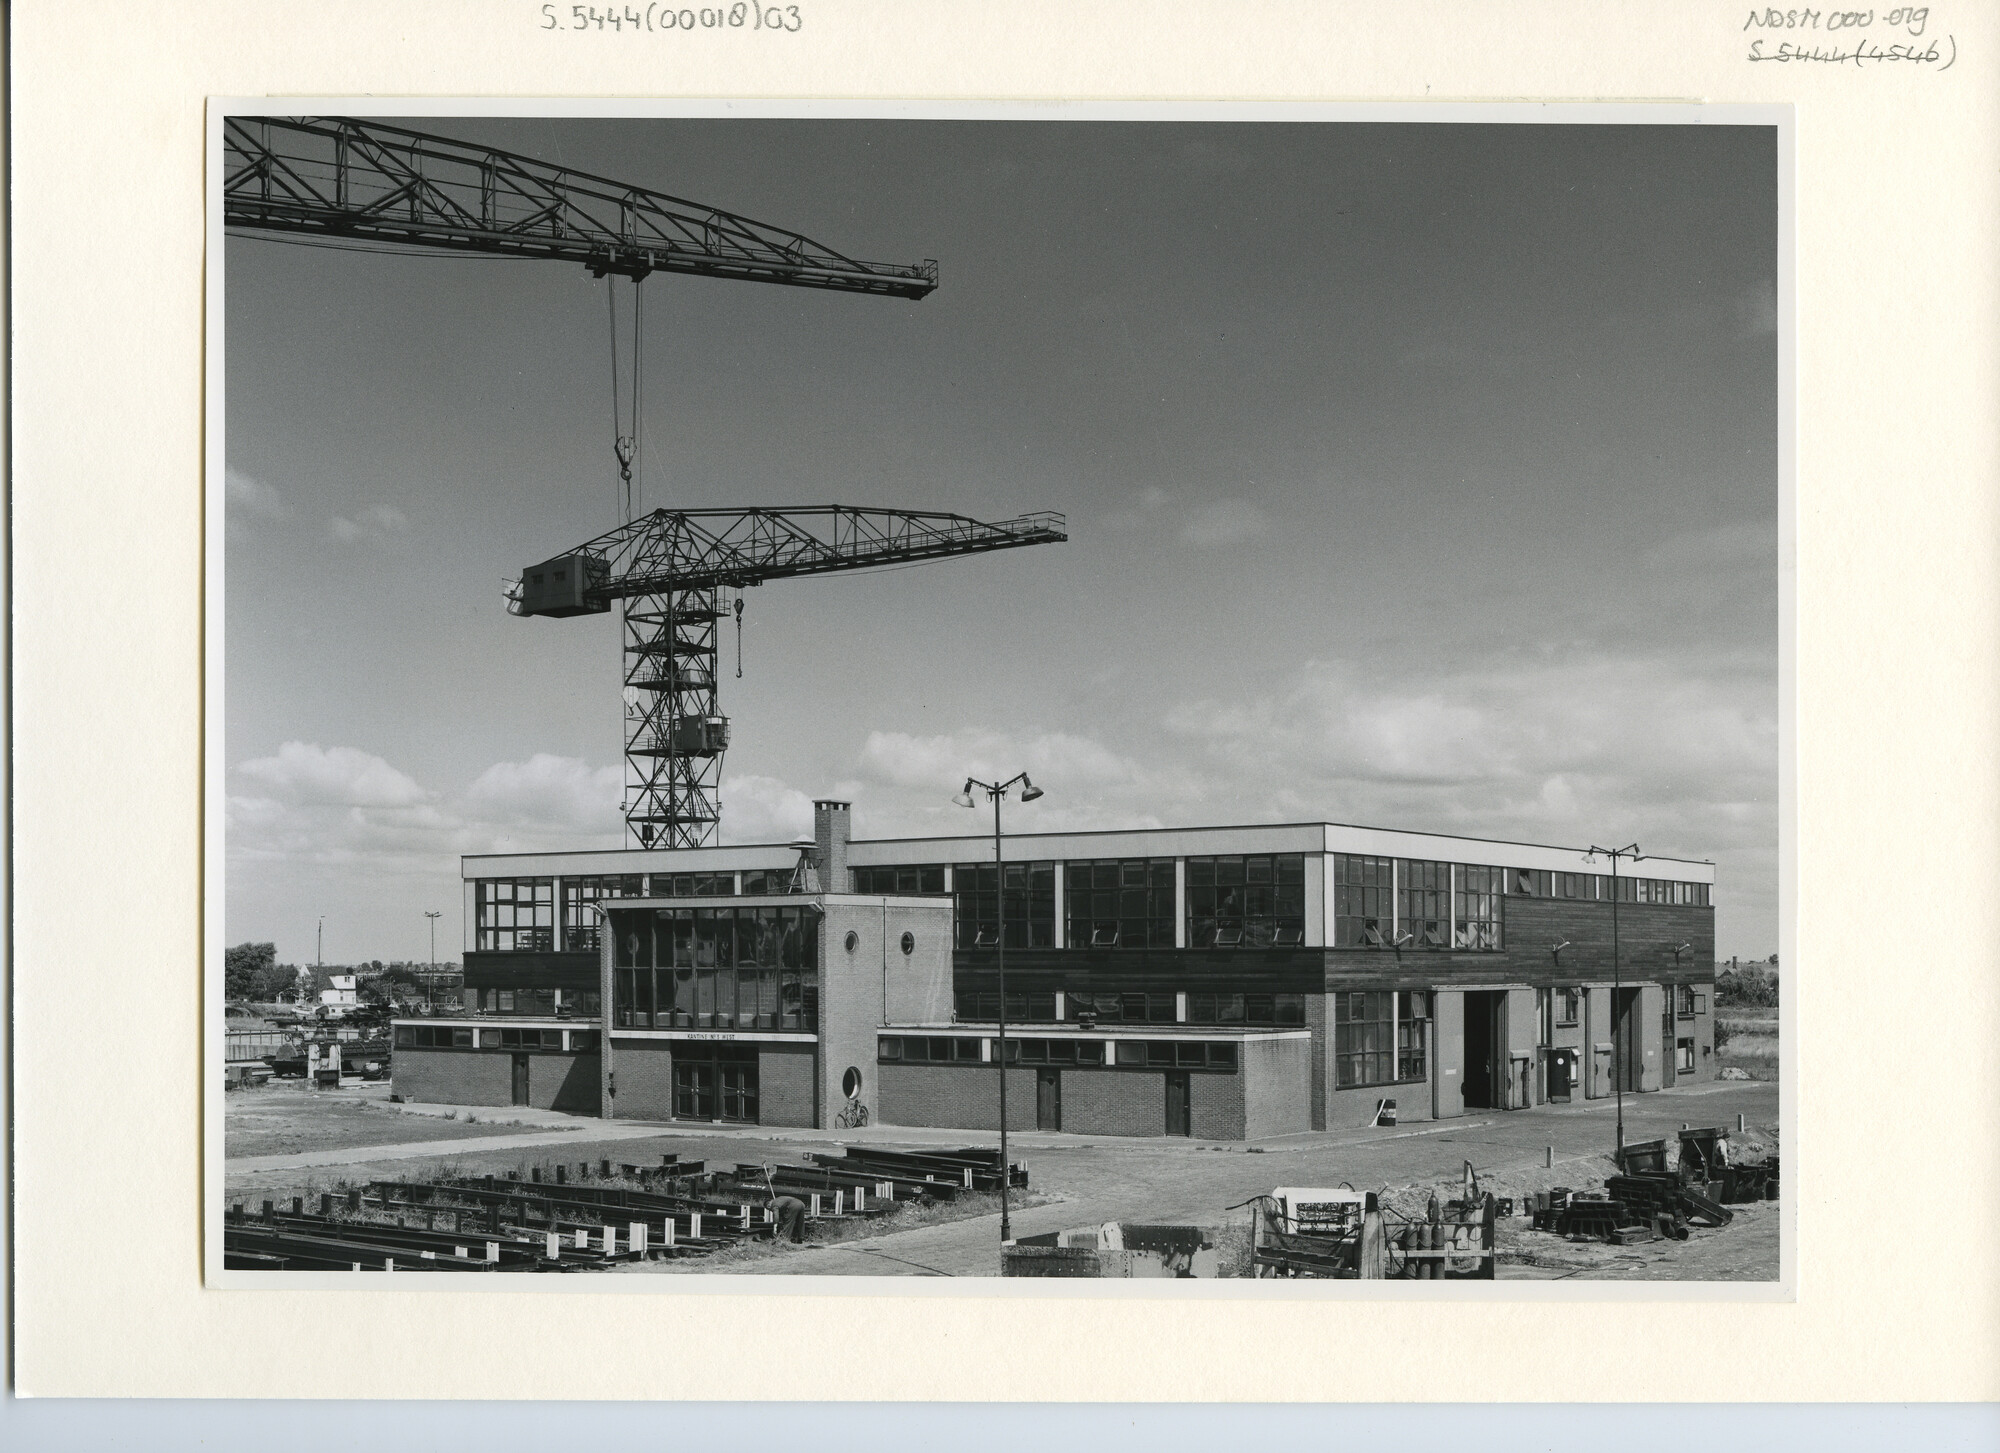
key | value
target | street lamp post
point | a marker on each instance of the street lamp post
(1631, 850)
(996, 791)
(430, 979)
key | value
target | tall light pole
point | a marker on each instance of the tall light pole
(430, 979)
(996, 791)
(1631, 850)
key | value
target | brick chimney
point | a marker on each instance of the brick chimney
(831, 824)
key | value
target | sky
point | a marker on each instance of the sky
(1417, 476)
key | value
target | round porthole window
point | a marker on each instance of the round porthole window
(853, 938)
(909, 943)
(850, 1083)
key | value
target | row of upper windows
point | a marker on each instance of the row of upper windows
(1250, 900)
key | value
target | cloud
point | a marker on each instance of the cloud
(546, 792)
(1563, 745)
(247, 495)
(1224, 522)
(377, 522)
(313, 806)
(307, 773)
(764, 810)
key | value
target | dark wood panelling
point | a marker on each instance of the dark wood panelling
(486, 970)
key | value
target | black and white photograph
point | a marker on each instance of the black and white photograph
(1120, 693)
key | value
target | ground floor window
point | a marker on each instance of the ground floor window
(1365, 1042)
(1686, 1055)
(1087, 1053)
(1171, 1054)
(432, 1036)
(933, 1049)
(1413, 1013)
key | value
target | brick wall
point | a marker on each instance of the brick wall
(1277, 1093)
(1115, 1102)
(1215, 1106)
(963, 1097)
(452, 1076)
(876, 983)
(785, 1084)
(645, 1071)
(566, 1082)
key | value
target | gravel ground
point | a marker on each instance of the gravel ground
(1090, 1180)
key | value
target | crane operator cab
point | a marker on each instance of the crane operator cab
(558, 587)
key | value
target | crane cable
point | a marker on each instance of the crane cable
(626, 446)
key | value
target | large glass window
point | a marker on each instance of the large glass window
(1030, 904)
(1260, 1009)
(515, 915)
(1423, 903)
(1361, 903)
(904, 879)
(1120, 903)
(754, 967)
(694, 885)
(1477, 908)
(1258, 900)
(1108, 1006)
(1031, 1008)
(580, 921)
(1364, 1045)
(768, 880)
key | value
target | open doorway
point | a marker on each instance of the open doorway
(1485, 1023)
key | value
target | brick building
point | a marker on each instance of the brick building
(1222, 982)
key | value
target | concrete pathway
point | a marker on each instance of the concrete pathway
(417, 1149)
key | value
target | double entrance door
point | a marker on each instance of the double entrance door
(715, 1082)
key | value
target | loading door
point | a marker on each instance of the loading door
(1048, 1099)
(1625, 1055)
(1179, 1122)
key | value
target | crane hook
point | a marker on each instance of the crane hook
(739, 638)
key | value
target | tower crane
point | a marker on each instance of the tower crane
(343, 182)
(673, 566)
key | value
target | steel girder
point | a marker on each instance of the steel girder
(342, 178)
(700, 549)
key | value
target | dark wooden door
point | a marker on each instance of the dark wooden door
(1048, 1099)
(738, 1092)
(1179, 1121)
(1667, 1041)
(1560, 1081)
(694, 1089)
(520, 1079)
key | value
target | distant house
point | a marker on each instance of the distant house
(340, 994)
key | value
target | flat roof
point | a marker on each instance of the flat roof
(1222, 840)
